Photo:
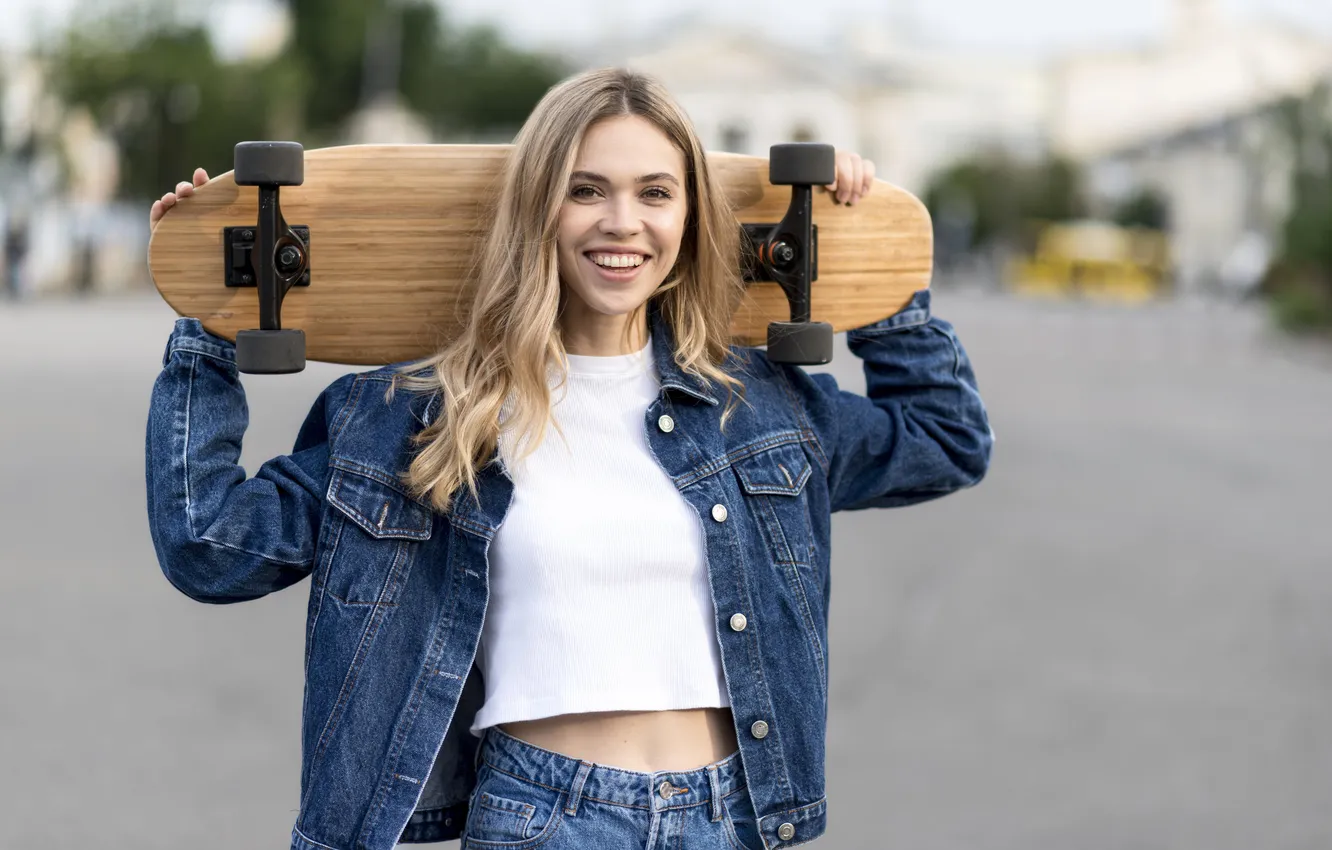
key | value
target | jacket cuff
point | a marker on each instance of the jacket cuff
(913, 314)
(189, 336)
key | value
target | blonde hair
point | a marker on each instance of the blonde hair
(511, 334)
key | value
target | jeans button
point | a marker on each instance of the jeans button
(759, 729)
(738, 622)
(719, 512)
(786, 832)
(666, 424)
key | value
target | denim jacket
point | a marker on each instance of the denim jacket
(398, 591)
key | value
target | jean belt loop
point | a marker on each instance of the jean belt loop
(714, 785)
(576, 788)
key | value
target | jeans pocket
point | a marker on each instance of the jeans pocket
(741, 821)
(509, 812)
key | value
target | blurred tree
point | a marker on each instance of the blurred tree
(1145, 208)
(154, 83)
(1300, 280)
(147, 71)
(1002, 196)
(482, 85)
(342, 43)
(464, 81)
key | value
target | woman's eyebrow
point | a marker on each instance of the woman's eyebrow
(646, 178)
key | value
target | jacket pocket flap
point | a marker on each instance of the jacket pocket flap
(382, 510)
(780, 471)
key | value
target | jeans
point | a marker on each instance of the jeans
(527, 797)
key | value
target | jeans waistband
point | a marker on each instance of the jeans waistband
(656, 791)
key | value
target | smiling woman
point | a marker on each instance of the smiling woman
(525, 641)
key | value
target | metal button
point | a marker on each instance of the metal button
(759, 729)
(786, 832)
(666, 424)
(665, 789)
(738, 622)
(719, 513)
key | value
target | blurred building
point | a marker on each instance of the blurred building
(1190, 117)
(912, 110)
(1194, 117)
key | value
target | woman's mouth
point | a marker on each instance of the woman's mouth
(618, 267)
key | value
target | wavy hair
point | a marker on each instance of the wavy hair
(495, 374)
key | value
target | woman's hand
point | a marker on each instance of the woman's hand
(183, 190)
(855, 178)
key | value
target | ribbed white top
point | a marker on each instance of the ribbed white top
(599, 597)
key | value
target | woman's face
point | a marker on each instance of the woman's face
(621, 223)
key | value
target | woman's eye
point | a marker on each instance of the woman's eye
(657, 193)
(582, 191)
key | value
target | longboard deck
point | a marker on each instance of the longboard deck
(393, 229)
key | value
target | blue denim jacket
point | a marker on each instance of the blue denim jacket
(398, 591)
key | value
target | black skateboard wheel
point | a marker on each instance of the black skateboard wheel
(269, 164)
(801, 343)
(278, 352)
(802, 163)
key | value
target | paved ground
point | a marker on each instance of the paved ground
(1120, 640)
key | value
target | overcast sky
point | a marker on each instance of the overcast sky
(1011, 25)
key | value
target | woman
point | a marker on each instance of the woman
(609, 636)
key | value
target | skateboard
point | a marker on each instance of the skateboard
(358, 254)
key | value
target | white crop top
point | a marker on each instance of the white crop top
(599, 594)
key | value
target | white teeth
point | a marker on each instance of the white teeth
(618, 261)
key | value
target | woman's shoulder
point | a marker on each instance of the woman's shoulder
(372, 414)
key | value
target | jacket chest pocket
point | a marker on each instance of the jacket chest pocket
(374, 544)
(773, 481)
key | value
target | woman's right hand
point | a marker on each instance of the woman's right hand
(183, 190)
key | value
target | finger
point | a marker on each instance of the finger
(868, 179)
(835, 187)
(168, 200)
(183, 189)
(200, 177)
(846, 179)
(156, 212)
(857, 179)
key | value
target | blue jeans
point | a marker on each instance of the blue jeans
(528, 797)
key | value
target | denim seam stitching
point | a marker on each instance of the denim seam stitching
(344, 694)
(260, 555)
(200, 349)
(310, 840)
(805, 425)
(716, 465)
(185, 448)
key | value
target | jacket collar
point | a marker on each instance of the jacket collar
(663, 355)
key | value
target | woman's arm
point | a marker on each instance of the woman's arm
(919, 432)
(220, 537)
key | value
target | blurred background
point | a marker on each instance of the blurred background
(1119, 640)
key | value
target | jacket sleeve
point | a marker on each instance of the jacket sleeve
(220, 537)
(920, 431)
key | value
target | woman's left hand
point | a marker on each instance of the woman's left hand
(855, 178)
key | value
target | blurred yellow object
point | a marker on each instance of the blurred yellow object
(1094, 259)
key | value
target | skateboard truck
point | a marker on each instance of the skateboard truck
(787, 253)
(270, 255)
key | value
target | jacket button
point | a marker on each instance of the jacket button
(786, 832)
(759, 729)
(666, 424)
(719, 513)
(738, 622)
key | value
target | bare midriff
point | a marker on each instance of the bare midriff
(645, 741)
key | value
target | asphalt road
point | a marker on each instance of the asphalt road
(1120, 640)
